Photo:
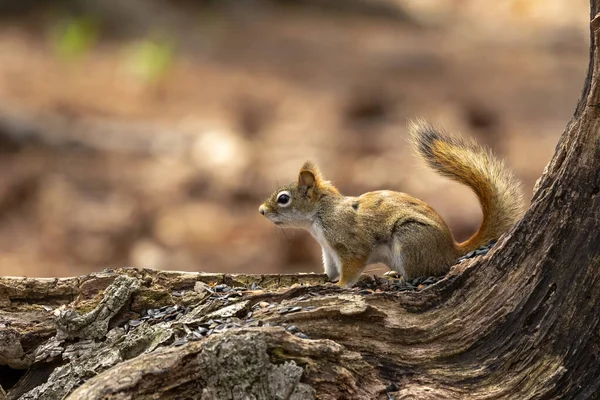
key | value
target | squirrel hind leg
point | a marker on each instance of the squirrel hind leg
(396, 259)
(422, 251)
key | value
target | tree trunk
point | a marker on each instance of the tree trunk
(520, 323)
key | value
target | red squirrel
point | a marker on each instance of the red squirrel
(394, 228)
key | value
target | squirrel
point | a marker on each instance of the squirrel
(394, 228)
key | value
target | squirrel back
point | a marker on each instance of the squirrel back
(464, 161)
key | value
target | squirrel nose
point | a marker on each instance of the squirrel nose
(261, 210)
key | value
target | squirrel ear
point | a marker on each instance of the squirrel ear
(306, 178)
(309, 175)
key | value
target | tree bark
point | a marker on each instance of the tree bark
(520, 323)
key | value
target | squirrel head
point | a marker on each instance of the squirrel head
(295, 205)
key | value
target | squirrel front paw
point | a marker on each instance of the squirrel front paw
(344, 284)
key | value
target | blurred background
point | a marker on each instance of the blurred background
(147, 133)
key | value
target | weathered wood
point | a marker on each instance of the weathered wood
(95, 298)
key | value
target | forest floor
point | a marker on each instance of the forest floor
(103, 168)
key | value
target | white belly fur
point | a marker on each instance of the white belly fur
(390, 255)
(318, 234)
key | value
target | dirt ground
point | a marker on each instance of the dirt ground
(101, 168)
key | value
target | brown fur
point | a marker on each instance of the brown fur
(464, 161)
(396, 228)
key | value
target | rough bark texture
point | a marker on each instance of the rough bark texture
(519, 323)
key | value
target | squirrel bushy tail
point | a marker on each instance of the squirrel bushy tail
(462, 160)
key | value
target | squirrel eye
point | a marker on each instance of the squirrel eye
(284, 199)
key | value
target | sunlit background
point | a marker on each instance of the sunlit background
(146, 133)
